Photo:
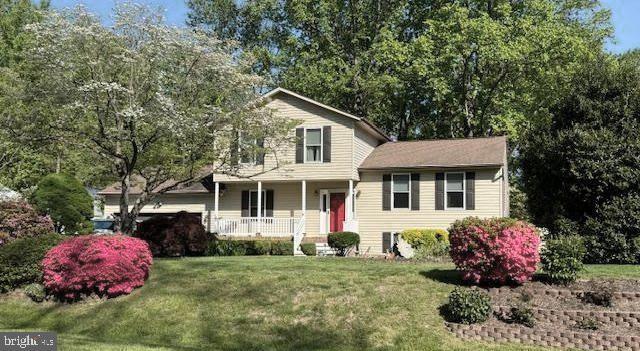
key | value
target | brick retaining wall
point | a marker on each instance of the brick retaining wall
(620, 295)
(618, 318)
(555, 338)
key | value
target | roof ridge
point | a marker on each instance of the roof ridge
(450, 139)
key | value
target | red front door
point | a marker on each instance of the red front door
(336, 217)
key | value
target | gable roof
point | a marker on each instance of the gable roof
(366, 124)
(444, 153)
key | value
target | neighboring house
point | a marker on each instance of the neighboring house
(344, 174)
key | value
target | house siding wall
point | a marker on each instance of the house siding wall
(308, 115)
(363, 145)
(373, 221)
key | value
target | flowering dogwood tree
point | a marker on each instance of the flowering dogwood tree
(158, 103)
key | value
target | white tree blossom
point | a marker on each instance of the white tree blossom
(158, 103)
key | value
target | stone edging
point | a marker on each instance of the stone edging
(618, 318)
(550, 338)
(624, 295)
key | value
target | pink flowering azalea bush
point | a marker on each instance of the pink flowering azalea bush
(104, 265)
(496, 250)
(19, 220)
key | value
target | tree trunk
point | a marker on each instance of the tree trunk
(127, 220)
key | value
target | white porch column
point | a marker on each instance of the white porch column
(216, 202)
(304, 205)
(349, 206)
(304, 197)
(259, 207)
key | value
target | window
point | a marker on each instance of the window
(313, 145)
(246, 148)
(455, 190)
(253, 203)
(400, 185)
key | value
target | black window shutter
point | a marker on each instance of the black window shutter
(440, 191)
(386, 192)
(470, 190)
(260, 155)
(386, 242)
(415, 191)
(326, 144)
(269, 204)
(299, 145)
(245, 203)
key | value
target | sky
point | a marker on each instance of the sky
(625, 16)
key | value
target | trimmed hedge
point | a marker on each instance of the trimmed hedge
(229, 247)
(308, 249)
(343, 242)
(21, 260)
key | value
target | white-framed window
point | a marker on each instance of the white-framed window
(454, 189)
(247, 149)
(313, 145)
(253, 203)
(400, 190)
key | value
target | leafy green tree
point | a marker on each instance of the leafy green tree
(156, 104)
(418, 68)
(66, 201)
(582, 171)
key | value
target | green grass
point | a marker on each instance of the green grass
(265, 303)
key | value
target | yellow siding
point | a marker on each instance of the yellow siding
(309, 115)
(363, 145)
(373, 221)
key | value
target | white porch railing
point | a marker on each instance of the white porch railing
(249, 226)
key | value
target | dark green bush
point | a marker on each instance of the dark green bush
(522, 314)
(173, 236)
(468, 306)
(600, 295)
(35, 291)
(282, 247)
(230, 247)
(66, 201)
(562, 259)
(343, 242)
(20, 260)
(308, 249)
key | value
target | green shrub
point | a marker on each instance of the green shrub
(21, 260)
(66, 201)
(343, 242)
(427, 242)
(562, 259)
(261, 247)
(522, 314)
(230, 247)
(35, 291)
(468, 306)
(282, 247)
(308, 249)
(588, 324)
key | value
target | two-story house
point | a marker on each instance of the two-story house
(344, 174)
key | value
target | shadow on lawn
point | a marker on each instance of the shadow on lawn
(446, 276)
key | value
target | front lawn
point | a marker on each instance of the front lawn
(266, 303)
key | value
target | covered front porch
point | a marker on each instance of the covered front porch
(283, 209)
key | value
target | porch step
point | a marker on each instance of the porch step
(323, 249)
